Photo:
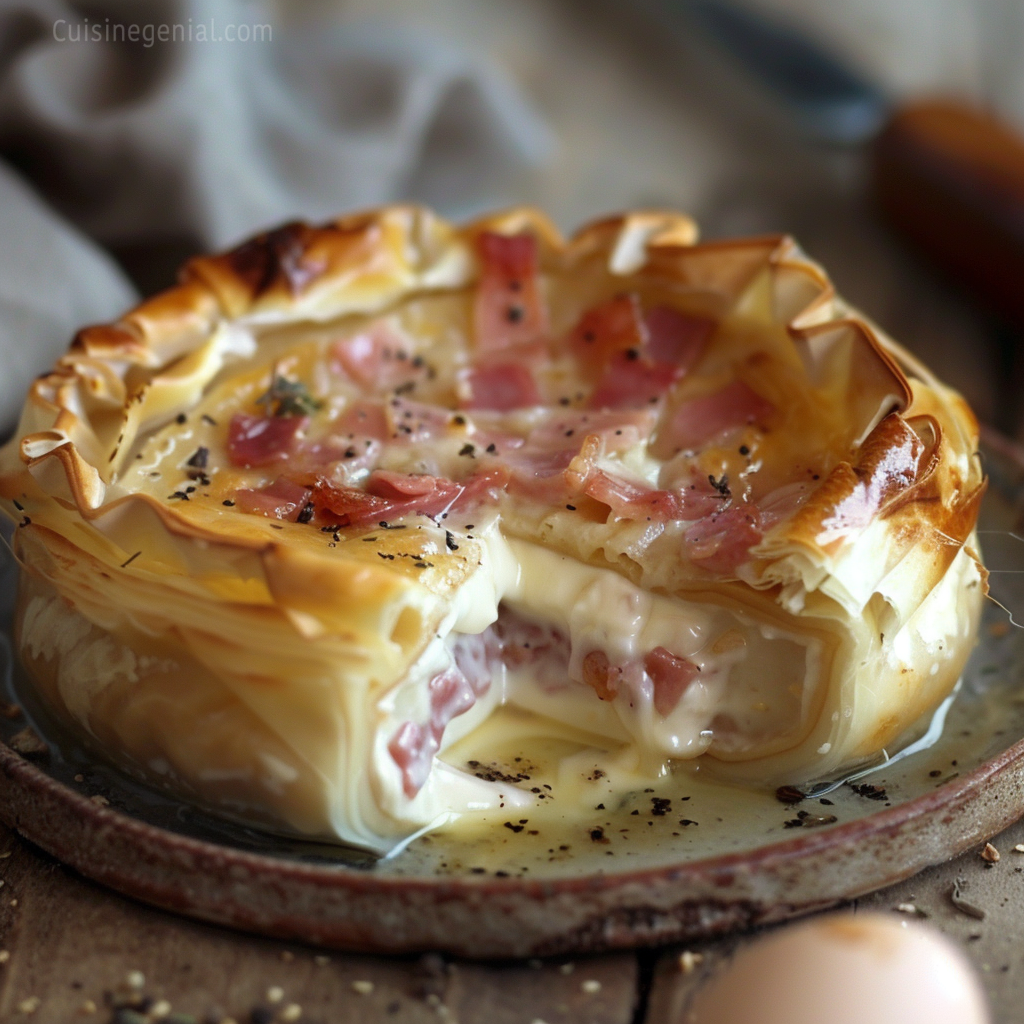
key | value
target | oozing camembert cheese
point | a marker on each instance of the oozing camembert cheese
(293, 528)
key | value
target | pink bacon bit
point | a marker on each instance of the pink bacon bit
(601, 675)
(508, 308)
(337, 458)
(633, 381)
(349, 506)
(389, 495)
(282, 499)
(676, 338)
(452, 693)
(700, 420)
(417, 421)
(636, 357)
(376, 359)
(412, 748)
(262, 440)
(482, 488)
(608, 330)
(500, 387)
(628, 500)
(560, 453)
(720, 542)
(671, 677)
(367, 419)
(611, 343)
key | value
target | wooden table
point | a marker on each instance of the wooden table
(74, 951)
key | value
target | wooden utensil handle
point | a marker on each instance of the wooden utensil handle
(950, 179)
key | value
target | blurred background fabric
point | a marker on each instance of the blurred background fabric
(578, 106)
(216, 139)
(52, 279)
(206, 142)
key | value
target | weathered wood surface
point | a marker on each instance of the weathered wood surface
(72, 946)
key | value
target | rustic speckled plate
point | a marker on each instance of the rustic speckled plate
(687, 859)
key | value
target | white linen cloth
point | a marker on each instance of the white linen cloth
(213, 139)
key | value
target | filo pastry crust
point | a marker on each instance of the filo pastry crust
(253, 667)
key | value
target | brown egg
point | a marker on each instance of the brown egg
(845, 969)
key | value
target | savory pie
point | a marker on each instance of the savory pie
(291, 529)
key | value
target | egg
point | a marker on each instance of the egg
(844, 969)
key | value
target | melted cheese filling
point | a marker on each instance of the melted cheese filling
(754, 686)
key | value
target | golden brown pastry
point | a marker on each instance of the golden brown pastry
(294, 527)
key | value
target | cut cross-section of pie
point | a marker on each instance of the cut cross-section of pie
(293, 528)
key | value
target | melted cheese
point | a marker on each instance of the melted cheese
(753, 685)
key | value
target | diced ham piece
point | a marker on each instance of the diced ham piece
(629, 500)
(476, 655)
(494, 442)
(561, 451)
(701, 420)
(400, 486)
(417, 421)
(663, 335)
(698, 495)
(541, 475)
(671, 676)
(608, 330)
(389, 495)
(452, 693)
(349, 506)
(631, 382)
(450, 696)
(676, 338)
(601, 675)
(342, 459)
(617, 429)
(364, 419)
(508, 309)
(635, 358)
(720, 542)
(500, 387)
(376, 359)
(482, 488)
(412, 748)
(262, 440)
(408, 494)
(524, 642)
(282, 499)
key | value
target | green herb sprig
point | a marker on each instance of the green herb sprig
(288, 398)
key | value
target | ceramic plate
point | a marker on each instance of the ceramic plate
(683, 859)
